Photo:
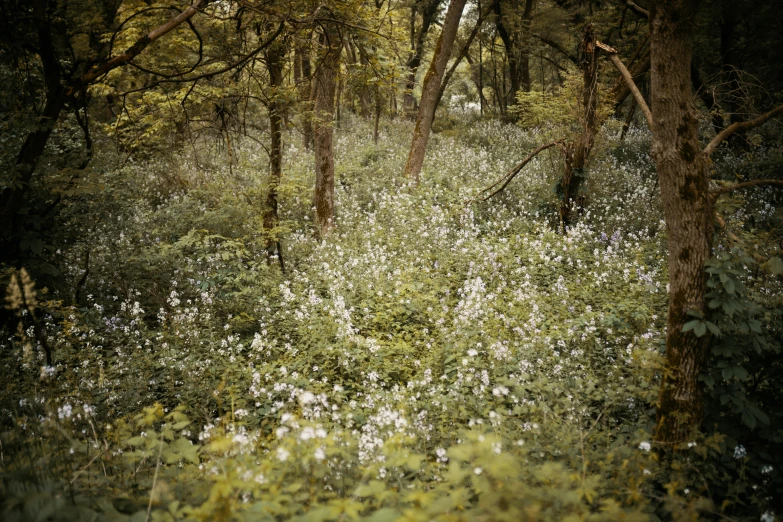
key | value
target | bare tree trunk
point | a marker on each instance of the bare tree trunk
(324, 87)
(429, 95)
(275, 55)
(578, 152)
(378, 110)
(683, 173)
(462, 55)
(524, 47)
(303, 59)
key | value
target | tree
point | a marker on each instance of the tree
(63, 86)
(275, 54)
(324, 90)
(683, 173)
(428, 8)
(431, 88)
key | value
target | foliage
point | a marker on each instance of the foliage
(429, 361)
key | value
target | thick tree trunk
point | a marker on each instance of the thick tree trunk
(324, 88)
(12, 197)
(275, 55)
(683, 174)
(429, 95)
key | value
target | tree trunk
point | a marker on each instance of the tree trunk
(12, 197)
(429, 9)
(324, 87)
(683, 175)
(578, 152)
(275, 55)
(303, 59)
(429, 95)
(524, 47)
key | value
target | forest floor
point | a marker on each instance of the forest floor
(436, 358)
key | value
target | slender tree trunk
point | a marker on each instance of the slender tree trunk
(429, 95)
(683, 174)
(429, 8)
(378, 110)
(524, 47)
(324, 87)
(275, 55)
(303, 58)
(461, 56)
(578, 151)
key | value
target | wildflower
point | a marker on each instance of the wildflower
(739, 451)
(478, 470)
(306, 398)
(766, 469)
(283, 454)
(65, 411)
(319, 454)
(644, 446)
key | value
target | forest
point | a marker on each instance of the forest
(391, 260)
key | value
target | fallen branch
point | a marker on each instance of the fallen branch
(716, 193)
(741, 126)
(637, 95)
(508, 176)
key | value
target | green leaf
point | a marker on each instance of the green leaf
(372, 488)
(760, 415)
(774, 266)
(748, 419)
(136, 441)
(712, 327)
(740, 372)
(697, 325)
(728, 283)
(384, 515)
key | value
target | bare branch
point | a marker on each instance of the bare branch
(629, 82)
(740, 127)
(557, 47)
(716, 193)
(508, 176)
(136, 49)
(637, 9)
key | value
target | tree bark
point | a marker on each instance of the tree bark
(429, 9)
(429, 95)
(275, 55)
(683, 176)
(577, 152)
(12, 197)
(302, 57)
(325, 87)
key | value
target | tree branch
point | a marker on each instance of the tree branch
(557, 47)
(136, 49)
(508, 176)
(716, 193)
(637, 9)
(629, 82)
(741, 127)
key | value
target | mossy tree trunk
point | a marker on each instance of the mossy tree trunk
(431, 88)
(324, 90)
(683, 172)
(275, 55)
